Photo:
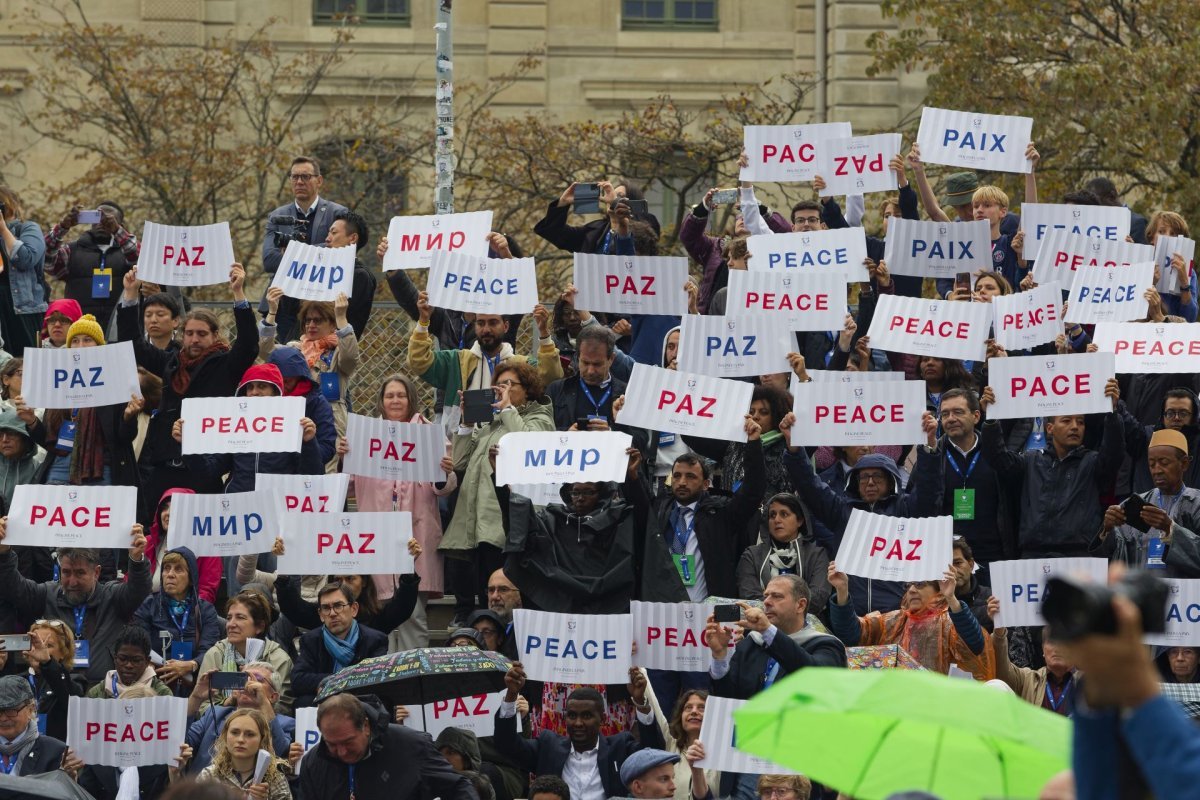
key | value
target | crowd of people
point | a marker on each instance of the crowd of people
(758, 522)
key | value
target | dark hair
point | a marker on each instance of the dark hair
(633, 191)
(336, 586)
(208, 318)
(481, 783)
(597, 334)
(316, 165)
(120, 211)
(7, 371)
(788, 499)
(808, 205)
(255, 603)
(961, 545)
(799, 586)
(588, 695)
(967, 394)
(368, 598)
(645, 238)
(88, 555)
(134, 636)
(1082, 197)
(191, 789)
(343, 703)
(560, 312)
(166, 301)
(779, 402)
(526, 375)
(549, 784)
(675, 726)
(1178, 393)
(1105, 191)
(956, 375)
(357, 223)
(694, 460)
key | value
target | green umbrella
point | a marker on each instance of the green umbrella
(874, 732)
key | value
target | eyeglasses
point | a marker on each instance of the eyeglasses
(334, 608)
(1177, 413)
(508, 384)
(300, 178)
(870, 478)
(127, 659)
(315, 321)
(53, 623)
(11, 713)
(500, 589)
(777, 791)
(807, 221)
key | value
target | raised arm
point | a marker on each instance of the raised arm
(928, 198)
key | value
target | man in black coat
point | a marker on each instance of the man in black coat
(589, 394)
(23, 751)
(337, 644)
(595, 235)
(595, 771)
(361, 754)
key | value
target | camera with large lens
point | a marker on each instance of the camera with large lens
(298, 232)
(1073, 610)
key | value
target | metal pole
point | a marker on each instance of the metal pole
(443, 200)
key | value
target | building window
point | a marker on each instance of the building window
(367, 12)
(657, 14)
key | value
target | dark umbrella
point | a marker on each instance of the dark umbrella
(425, 675)
(53, 785)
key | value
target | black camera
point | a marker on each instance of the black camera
(1073, 610)
(298, 233)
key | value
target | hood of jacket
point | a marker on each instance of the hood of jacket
(260, 373)
(607, 513)
(193, 592)
(9, 421)
(292, 364)
(157, 534)
(662, 361)
(463, 742)
(873, 461)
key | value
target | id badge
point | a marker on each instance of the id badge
(82, 651)
(1155, 549)
(666, 439)
(101, 284)
(686, 566)
(66, 437)
(964, 504)
(331, 386)
(182, 651)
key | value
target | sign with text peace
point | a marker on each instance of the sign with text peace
(976, 141)
(863, 413)
(631, 284)
(185, 255)
(1110, 294)
(937, 249)
(841, 252)
(412, 241)
(346, 543)
(574, 648)
(242, 424)
(312, 272)
(1020, 585)
(394, 451)
(942, 328)
(1063, 252)
(1102, 222)
(481, 285)
(146, 731)
(1182, 615)
(1026, 319)
(787, 153)
(671, 636)
(80, 377)
(1042, 386)
(562, 457)
(475, 713)
(859, 164)
(719, 737)
(71, 516)
(670, 401)
(222, 525)
(734, 346)
(801, 301)
(1150, 346)
(896, 548)
(305, 494)
(1164, 248)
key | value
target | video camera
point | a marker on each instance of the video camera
(299, 232)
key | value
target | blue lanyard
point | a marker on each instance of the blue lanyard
(8, 763)
(80, 613)
(592, 400)
(327, 357)
(187, 612)
(352, 782)
(1161, 501)
(1062, 698)
(37, 695)
(104, 256)
(970, 467)
(607, 241)
(114, 686)
(492, 364)
(679, 545)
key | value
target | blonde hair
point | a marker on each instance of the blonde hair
(1175, 222)
(992, 194)
(888, 202)
(1002, 282)
(223, 760)
(139, 691)
(66, 640)
(799, 784)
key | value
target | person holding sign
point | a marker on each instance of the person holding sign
(931, 625)
(1060, 486)
(337, 644)
(1183, 302)
(236, 760)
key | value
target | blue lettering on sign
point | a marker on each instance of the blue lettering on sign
(1106, 232)
(473, 285)
(311, 738)
(588, 649)
(729, 346)
(1108, 294)
(588, 456)
(809, 258)
(535, 458)
(301, 272)
(936, 249)
(74, 378)
(1026, 591)
(1192, 611)
(228, 525)
(983, 141)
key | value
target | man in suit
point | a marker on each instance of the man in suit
(337, 644)
(304, 176)
(588, 762)
(23, 751)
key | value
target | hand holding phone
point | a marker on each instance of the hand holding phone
(477, 406)
(15, 643)
(587, 198)
(727, 613)
(725, 197)
(227, 681)
(91, 217)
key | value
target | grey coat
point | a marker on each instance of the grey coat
(1182, 557)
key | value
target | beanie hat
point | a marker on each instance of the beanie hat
(263, 373)
(67, 307)
(86, 326)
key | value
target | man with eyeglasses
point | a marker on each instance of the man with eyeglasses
(24, 751)
(21, 459)
(340, 642)
(503, 596)
(305, 180)
(1179, 413)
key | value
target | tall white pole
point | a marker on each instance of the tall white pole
(443, 200)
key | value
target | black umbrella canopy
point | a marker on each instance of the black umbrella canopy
(425, 675)
(52, 785)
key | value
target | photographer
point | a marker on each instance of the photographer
(597, 235)
(93, 266)
(306, 219)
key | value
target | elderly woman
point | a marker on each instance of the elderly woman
(51, 657)
(190, 622)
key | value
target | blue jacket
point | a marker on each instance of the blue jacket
(203, 627)
(202, 735)
(291, 364)
(25, 268)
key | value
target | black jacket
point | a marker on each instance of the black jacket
(303, 614)
(55, 686)
(46, 755)
(315, 664)
(447, 326)
(103, 783)
(400, 764)
(748, 667)
(118, 434)
(83, 261)
(587, 238)
(754, 571)
(976, 598)
(547, 753)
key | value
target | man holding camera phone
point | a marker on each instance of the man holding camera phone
(597, 235)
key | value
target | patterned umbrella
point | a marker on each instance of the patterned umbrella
(425, 675)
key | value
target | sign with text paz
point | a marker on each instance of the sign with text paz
(734, 346)
(306, 733)
(937, 249)
(1164, 248)
(671, 636)
(185, 255)
(394, 451)
(1043, 386)
(787, 153)
(1026, 319)
(574, 648)
(866, 413)
(841, 252)
(126, 733)
(305, 494)
(859, 164)
(670, 401)
(412, 241)
(482, 285)
(560, 457)
(802, 301)
(80, 377)
(1104, 222)
(896, 548)
(1150, 346)
(222, 525)
(720, 742)
(631, 284)
(346, 543)
(71, 516)
(1020, 585)
(475, 713)
(1183, 615)
(1110, 294)
(1063, 252)
(242, 425)
(312, 272)
(991, 142)
(941, 328)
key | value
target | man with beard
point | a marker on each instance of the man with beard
(260, 693)
(95, 611)
(503, 596)
(1179, 413)
(95, 264)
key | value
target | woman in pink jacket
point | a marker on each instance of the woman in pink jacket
(398, 399)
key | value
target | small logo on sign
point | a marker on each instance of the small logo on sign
(435, 222)
(1045, 569)
(128, 708)
(787, 281)
(628, 264)
(71, 495)
(242, 405)
(858, 391)
(225, 504)
(308, 484)
(1050, 363)
(1077, 213)
(805, 239)
(345, 522)
(691, 383)
(572, 624)
(798, 133)
(562, 440)
(933, 308)
(1096, 245)
(730, 325)
(689, 614)
(900, 527)
(977, 122)
(942, 230)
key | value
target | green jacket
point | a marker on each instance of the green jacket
(451, 370)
